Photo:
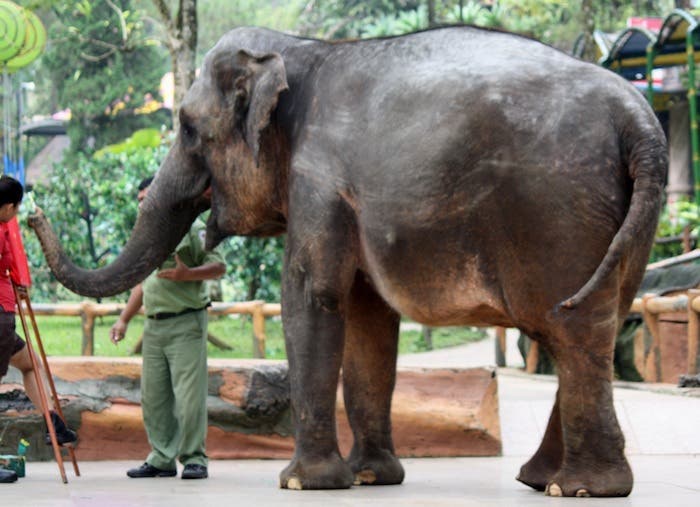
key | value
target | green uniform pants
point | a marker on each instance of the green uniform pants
(174, 389)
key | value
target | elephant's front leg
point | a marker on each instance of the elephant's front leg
(314, 292)
(369, 375)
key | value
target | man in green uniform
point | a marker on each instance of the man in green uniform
(174, 369)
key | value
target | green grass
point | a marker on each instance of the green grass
(62, 336)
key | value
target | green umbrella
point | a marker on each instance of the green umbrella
(12, 30)
(34, 42)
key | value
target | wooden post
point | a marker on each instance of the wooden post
(533, 357)
(88, 320)
(693, 330)
(428, 337)
(258, 330)
(653, 359)
(500, 346)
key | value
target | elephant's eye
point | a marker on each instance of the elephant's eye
(189, 132)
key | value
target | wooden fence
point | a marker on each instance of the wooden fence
(651, 307)
(89, 311)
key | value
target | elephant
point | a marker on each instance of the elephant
(457, 176)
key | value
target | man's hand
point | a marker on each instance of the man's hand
(180, 273)
(118, 331)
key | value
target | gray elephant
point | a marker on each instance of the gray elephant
(458, 176)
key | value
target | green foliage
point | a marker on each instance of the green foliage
(144, 138)
(553, 21)
(675, 219)
(395, 24)
(92, 207)
(348, 19)
(471, 13)
(412, 341)
(216, 17)
(254, 268)
(103, 63)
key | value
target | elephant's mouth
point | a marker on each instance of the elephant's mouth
(216, 234)
(274, 228)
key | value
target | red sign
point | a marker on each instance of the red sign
(651, 24)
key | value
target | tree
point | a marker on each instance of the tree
(588, 24)
(181, 41)
(220, 16)
(341, 19)
(103, 64)
(431, 12)
(255, 267)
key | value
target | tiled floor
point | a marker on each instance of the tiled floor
(660, 481)
(655, 419)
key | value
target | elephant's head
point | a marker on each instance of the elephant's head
(226, 143)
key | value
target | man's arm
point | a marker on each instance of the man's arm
(182, 273)
(133, 305)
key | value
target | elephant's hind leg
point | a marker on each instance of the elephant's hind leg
(546, 462)
(369, 374)
(593, 461)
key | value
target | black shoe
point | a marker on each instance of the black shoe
(7, 475)
(64, 435)
(147, 470)
(194, 472)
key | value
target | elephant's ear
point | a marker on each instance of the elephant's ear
(254, 82)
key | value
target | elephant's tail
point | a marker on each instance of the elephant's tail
(647, 165)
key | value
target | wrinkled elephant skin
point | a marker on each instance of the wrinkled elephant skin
(457, 176)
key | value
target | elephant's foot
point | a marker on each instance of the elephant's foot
(317, 473)
(539, 471)
(594, 480)
(379, 467)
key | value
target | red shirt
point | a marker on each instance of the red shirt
(7, 294)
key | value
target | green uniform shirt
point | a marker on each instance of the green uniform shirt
(167, 296)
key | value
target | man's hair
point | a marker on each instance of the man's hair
(11, 190)
(145, 183)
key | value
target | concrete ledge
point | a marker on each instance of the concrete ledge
(436, 412)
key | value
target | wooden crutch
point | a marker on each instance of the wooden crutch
(25, 305)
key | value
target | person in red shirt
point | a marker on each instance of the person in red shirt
(13, 350)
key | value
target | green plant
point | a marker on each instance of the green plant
(103, 63)
(471, 13)
(677, 219)
(254, 268)
(92, 206)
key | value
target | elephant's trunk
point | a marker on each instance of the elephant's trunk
(150, 244)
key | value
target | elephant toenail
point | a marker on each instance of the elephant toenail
(365, 477)
(582, 493)
(294, 483)
(553, 490)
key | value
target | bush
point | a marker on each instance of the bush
(92, 207)
(675, 219)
